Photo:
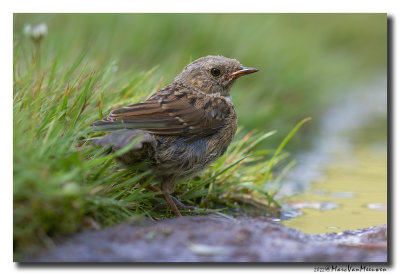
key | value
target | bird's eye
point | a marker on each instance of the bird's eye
(215, 72)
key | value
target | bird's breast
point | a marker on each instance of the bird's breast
(219, 142)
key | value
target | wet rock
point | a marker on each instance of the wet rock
(215, 239)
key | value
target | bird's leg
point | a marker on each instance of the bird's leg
(178, 203)
(172, 204)
(166, 187)
(171, 200)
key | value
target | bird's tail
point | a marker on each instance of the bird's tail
(122, 138)
(105, 125)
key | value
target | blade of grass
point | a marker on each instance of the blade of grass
(283, 144)
(214, 176)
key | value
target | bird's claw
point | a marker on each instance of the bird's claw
(178, 203)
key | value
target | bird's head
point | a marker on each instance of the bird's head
(213, 74)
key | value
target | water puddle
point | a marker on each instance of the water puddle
(352, 196)
(347, 169)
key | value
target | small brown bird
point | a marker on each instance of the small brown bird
(183, 127)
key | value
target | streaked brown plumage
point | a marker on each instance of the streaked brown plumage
(183, 127)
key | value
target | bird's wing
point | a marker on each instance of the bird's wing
(171, 111)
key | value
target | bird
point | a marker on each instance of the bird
(180, 129)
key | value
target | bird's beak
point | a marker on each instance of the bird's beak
(241, 72)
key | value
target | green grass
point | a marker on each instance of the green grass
(90, 64)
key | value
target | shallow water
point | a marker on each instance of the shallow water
(347, 168)
(353, 195)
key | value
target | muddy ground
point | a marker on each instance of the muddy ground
(216, 239)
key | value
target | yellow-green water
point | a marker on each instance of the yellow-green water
(358, 184)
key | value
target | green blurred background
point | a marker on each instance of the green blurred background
(304, 59)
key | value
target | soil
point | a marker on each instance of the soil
(214, 238)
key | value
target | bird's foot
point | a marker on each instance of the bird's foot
(173, 202)
(181, 205)
(176, 203)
